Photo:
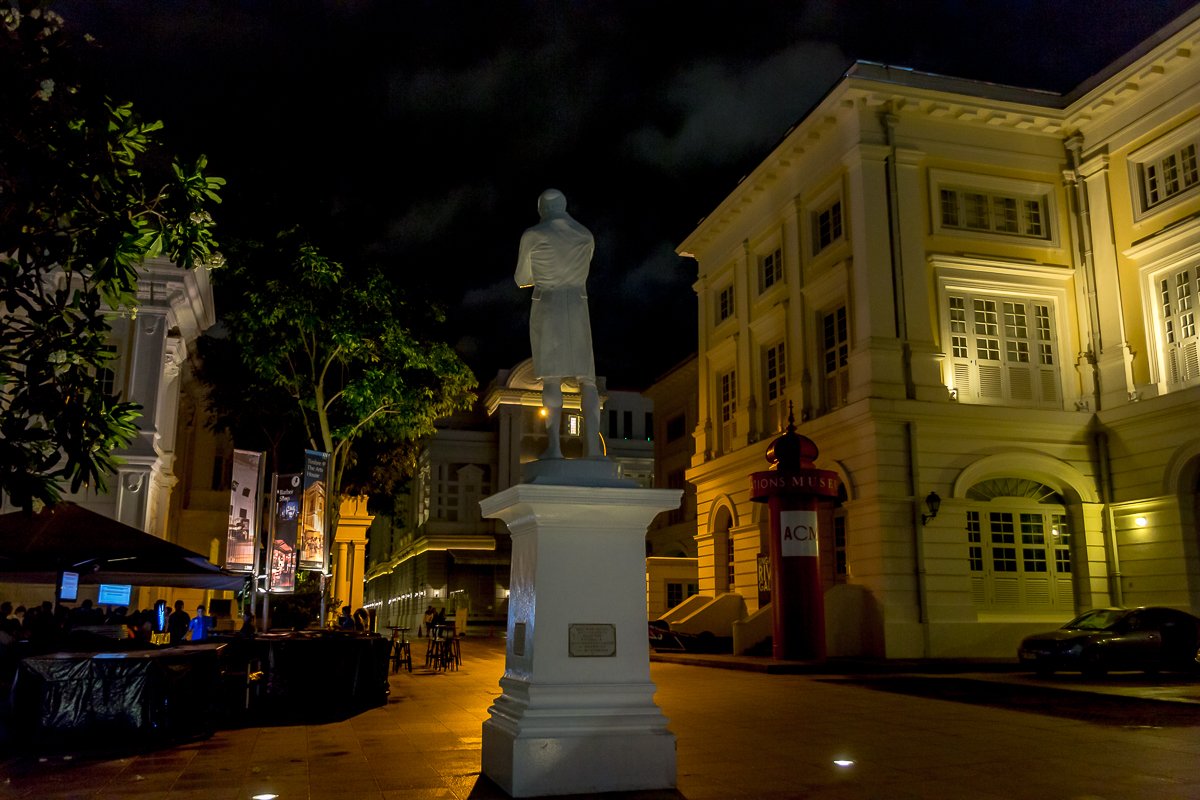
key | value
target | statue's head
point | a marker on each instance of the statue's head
(551, 203)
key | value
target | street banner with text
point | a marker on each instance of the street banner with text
(241, 541)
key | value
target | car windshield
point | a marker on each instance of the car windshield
(1098, 620)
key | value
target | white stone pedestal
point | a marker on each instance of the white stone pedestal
(577, 713)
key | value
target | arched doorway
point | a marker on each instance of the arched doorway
(1019, 547)
(723, 551)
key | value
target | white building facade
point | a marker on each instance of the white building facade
(981, 292)
(152, 342)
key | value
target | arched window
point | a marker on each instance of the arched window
(1019, 547)
(723, 552)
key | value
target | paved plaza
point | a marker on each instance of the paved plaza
(742, 733)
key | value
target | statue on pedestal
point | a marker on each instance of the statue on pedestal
(554, 259)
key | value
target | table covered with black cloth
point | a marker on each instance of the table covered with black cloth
(89, 696)
(320, 672)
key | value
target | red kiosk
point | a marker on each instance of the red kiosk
(794, 489)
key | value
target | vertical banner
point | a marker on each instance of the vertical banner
(241, 541)
(312, 530)
(281, 577)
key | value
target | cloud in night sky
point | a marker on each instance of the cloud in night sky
(440, 216)
(421, 133)
(729, 109)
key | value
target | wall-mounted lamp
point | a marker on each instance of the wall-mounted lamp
(933, 503)
(1141, 522)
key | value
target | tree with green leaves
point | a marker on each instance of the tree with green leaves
(349, 354)
(86, 195)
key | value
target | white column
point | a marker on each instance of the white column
(876, 361)
(703, 434)
(1115, 359)
(576, 714)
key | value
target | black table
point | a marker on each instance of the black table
(316, 673)
(94, 696)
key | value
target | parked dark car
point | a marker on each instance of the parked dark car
(1148, 639)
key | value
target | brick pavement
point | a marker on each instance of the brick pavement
(741, 734)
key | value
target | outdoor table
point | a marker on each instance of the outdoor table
(168, 691)
(321, 671)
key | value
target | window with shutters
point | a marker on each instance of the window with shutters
(967, 204)
(1165, 171)
(827, 225)
(727, 409)
(770, 270)
(1018, 547)
(724, 304)
(775, 384)
(1178, 292)
(835, 344)
(1003, 350)
(1168, 175)
(1012, 215)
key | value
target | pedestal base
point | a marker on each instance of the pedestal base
(576, 714)
(577, 739)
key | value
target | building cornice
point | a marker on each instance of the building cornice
(908, 94)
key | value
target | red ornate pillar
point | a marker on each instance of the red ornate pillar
(794, 489)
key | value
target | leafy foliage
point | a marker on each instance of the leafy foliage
(351, 353)
(85, 197)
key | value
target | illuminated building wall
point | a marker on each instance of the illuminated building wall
(979, 291)
(151, 368)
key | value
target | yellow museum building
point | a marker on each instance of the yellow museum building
(973, 291)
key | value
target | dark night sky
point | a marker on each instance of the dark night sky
(421, 133)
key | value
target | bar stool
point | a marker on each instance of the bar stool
(435, 651)
(401, 649)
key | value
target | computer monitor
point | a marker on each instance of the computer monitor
(114, 594)
(68, 587)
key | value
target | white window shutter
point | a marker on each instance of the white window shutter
(1173, 365)
(1191, 360)
(991, 383)
(962, 380)
(1020, 382)
(1048, 378)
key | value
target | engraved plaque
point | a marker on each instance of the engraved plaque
(592, 641)
(518, 642)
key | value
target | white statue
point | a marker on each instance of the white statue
(555, 257)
